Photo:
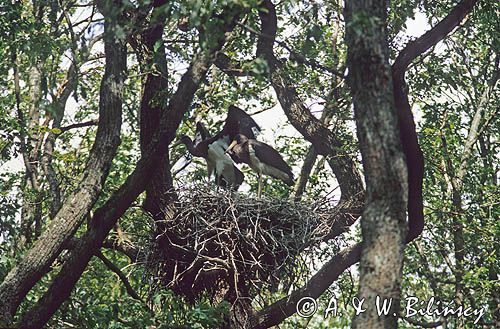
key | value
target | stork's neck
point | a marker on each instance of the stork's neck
(225, 139)
(190, 146)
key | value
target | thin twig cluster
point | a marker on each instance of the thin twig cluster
(216, 240)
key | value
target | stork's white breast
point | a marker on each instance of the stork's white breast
(220, 160)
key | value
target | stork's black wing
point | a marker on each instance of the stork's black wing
(240, 177)
(239, 122)
(271, 157)
(202, 133)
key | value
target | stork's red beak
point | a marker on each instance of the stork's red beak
(230, 147)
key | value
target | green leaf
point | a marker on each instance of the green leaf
(56, 131)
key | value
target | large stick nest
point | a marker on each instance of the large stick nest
(218, 241)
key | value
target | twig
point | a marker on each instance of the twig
(295, 55)
(80, 125)
(120, 274)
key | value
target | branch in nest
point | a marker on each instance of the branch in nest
(220, 236)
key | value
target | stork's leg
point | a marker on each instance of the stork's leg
(259, 190)
(210, 170)
(217, 182)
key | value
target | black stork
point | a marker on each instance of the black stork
(213, 149)
(219, 164)
(262, 158)
(202, 133)
(238, 122)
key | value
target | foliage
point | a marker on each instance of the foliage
(446, 87)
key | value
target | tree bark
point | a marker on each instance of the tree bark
(106, 216)
(277, 312)
(383, 223)
(38, 259)
(153, 100)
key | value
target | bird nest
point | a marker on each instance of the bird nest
(219, 242)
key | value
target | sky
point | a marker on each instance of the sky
(273, 121)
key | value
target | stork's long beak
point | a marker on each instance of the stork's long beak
(230, 147)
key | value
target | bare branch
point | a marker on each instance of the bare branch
(79, 125)
(120, 274)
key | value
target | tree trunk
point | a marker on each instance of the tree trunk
(285, 307)
(153, 101)
(38, 259)
(383, 222)
(106, 217)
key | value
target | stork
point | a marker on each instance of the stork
(262, 158)
(213, 149)
(238, 122)
(202, 133)
(218, 163)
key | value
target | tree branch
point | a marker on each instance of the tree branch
(231, 67)
(106, 216)
(407, 129)
(79, 125)
(31, 268)
(323, 140)
(59, 105)
(305, 172)
(474, 130)
(311, 154)
(120, 274)
(285, 307)
(429, 39)
(130, 251)
(298, 57)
